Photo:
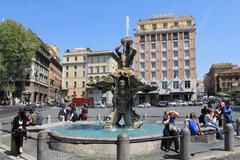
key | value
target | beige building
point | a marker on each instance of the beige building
(55, 74)
(222, 78)
(74, 72)
(99, 65)
(80, 66)
(166, 55)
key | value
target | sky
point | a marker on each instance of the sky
(100, 24)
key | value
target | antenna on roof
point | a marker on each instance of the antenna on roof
(127, 25)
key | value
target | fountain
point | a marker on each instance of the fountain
(91, 138)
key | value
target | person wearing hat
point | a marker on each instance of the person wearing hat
(19, 130)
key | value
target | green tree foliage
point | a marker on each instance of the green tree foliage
(18, 45)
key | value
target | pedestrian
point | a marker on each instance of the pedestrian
(227, 112)
(19, 131)
(62, 114)
(218, 112)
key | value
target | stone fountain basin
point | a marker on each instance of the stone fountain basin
(96, 146)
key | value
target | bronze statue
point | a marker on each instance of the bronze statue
(124, 85)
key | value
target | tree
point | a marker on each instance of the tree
(18, 45)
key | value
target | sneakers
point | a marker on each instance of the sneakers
(20, 150)
(18, 156)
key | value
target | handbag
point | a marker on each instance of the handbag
(172, 127)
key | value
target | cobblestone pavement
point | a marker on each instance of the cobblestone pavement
(4, 156)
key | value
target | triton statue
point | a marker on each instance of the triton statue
(124, 85)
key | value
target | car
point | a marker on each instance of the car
(174, 103)
(98, 105)
(199, 103)
(162, 104)
(183, 103)
(38, 104)
(144, 105)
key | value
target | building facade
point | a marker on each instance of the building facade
(36, 83)
(166, 55)
(100, 65)
(80, 66)
(55, 74)
(222, 78)
(74, 72)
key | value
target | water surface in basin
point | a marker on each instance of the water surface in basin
(96, 130)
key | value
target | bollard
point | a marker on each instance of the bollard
(42, 146)
(13, 143)
(185, 143)
(229, 137)
(238, 127)
(98, 117)
(49, 119)
(0, 133)
(123, 147)
(145, 116)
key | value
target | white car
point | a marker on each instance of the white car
(183, 103)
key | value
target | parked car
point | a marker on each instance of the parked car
(183, 103)
(163, 104)
(98, 105)
(199, 103)
(174, 103)
(38, 104)
(144, 105)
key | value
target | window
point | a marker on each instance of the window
(67, 67)
(186, 35)
(187, 84)
(164, 54)
(175, 63)
(67, 59)
(142, 75)
(75, 66)
(187, 73)
(165, 25)
(153, 65)
(175, 84)
(84, 58)
(164, 64)
(84, 66)
(175, 74)
(154, 26)
(175, 54)
(83, 83)
(83, 73)
(175, 36)
(164, 37)
(175, 44)
(74, 93)
(153, 54)
(91, 60)
(186, 44)
(187, 63)
(142, 27)
(164, 85)
(142, 46)
(104, 69)
(66, 74)
(91, 69)
(153, 38)
(97, 69)
(189, 23)
(164, 45)
(66, 84)
(154, 75)
(97, 78)
(75, 58)
(153, 46)
(142, 65)
(75, 84)
(142, 38)
(186, 53)
(175, 24)
(75, 74)
(91, 79)
(223, 85)
(142, 56)
(164, 74)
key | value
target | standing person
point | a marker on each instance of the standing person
(165, 145)
(218, 113)
(227, 112)
(62, 114)
(19, 130)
